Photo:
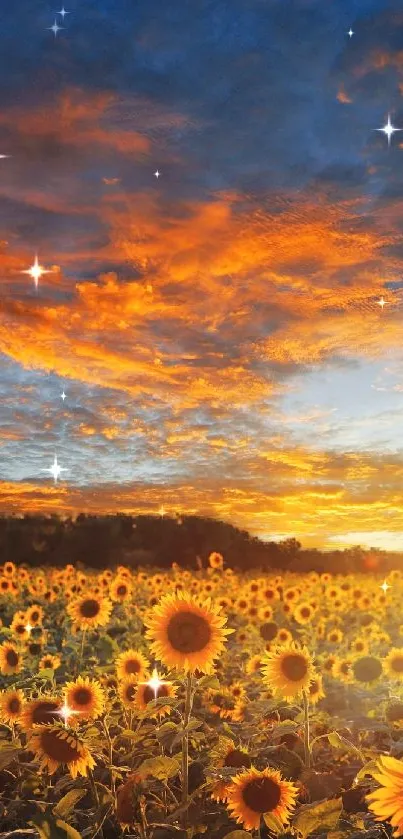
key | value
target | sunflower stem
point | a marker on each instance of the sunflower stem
(185, 751)
(307, 746)
(81, 653)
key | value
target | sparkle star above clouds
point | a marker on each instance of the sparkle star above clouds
(36, 271)
(55, 469)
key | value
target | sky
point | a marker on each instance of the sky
(216, 327)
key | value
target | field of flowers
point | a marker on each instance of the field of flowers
(200, 704)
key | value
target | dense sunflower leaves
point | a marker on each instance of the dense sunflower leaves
(161, 768)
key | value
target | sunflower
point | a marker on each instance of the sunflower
(315, 690)
(89, 610)
(342, 669)
(303, 613)
(359, 646)
(226, 754)
(334, 636)
(288, 670)
(11, 705)
(18, 626)
(10, 659)
(132, 663)
(268, 630)
(120, 590)
(187, 635)
(50, 662)
(238, 690)
(284, 636)
(55, 746)
(394, 713)
(146, 694)
(222, 702)
(253, 665)
(253, 794)
(387, 801)
(41, 711)
(34, 615)
(393, 664)
(216, 560)
(127, 690)
(85, 696)
(367, 669)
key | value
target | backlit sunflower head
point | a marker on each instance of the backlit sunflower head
(11, 705)
(145, 694)
(10, 659)
(185, 634)
(86, 697)
(89, 610)
(55, 746)
(127, 690)
(253, 794)
(367, 669)
(393, 664)
(315, 690)
(34, 615)
(41, 711)
(386, 801)
(288, 670)
(227, 755)
(132, 664)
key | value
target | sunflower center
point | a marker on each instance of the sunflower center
(269, 630)
(188, 632)
(35, 649)
(294, 667)
(12, 658)
(262, 795)
(397, 664)
(367, 669)
(82, 696)
(130, 693)
(132, 666)
(121, 591)
(150, 694)
(57, 748)
(46, 712)
(34, 616)
(89, 608)
(14, 705)
(237, 759)
(305, 612)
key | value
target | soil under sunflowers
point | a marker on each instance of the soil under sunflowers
(200, 704)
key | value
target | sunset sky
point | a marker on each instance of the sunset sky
(216, 329)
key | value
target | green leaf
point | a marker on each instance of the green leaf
(50, 827)
(68, 802)
(273, 823)
(323, 814)
(368, 769)
(211, 683)
(237, 834)
(159, 767)
(48, 673)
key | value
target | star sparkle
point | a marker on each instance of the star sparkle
(388, 129)
(385, 586)
(55, 469)
(350, 33)
(157, 174)
(155, 682)
(382, 303)
(36, 271)
(63, 396)
(63, 12)
(66, 712)
(161, 512)
(55, 28)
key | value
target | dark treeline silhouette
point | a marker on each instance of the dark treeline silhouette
(105, 541)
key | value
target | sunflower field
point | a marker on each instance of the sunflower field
(183, 705)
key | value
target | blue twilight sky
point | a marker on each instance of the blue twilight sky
(216, 328)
